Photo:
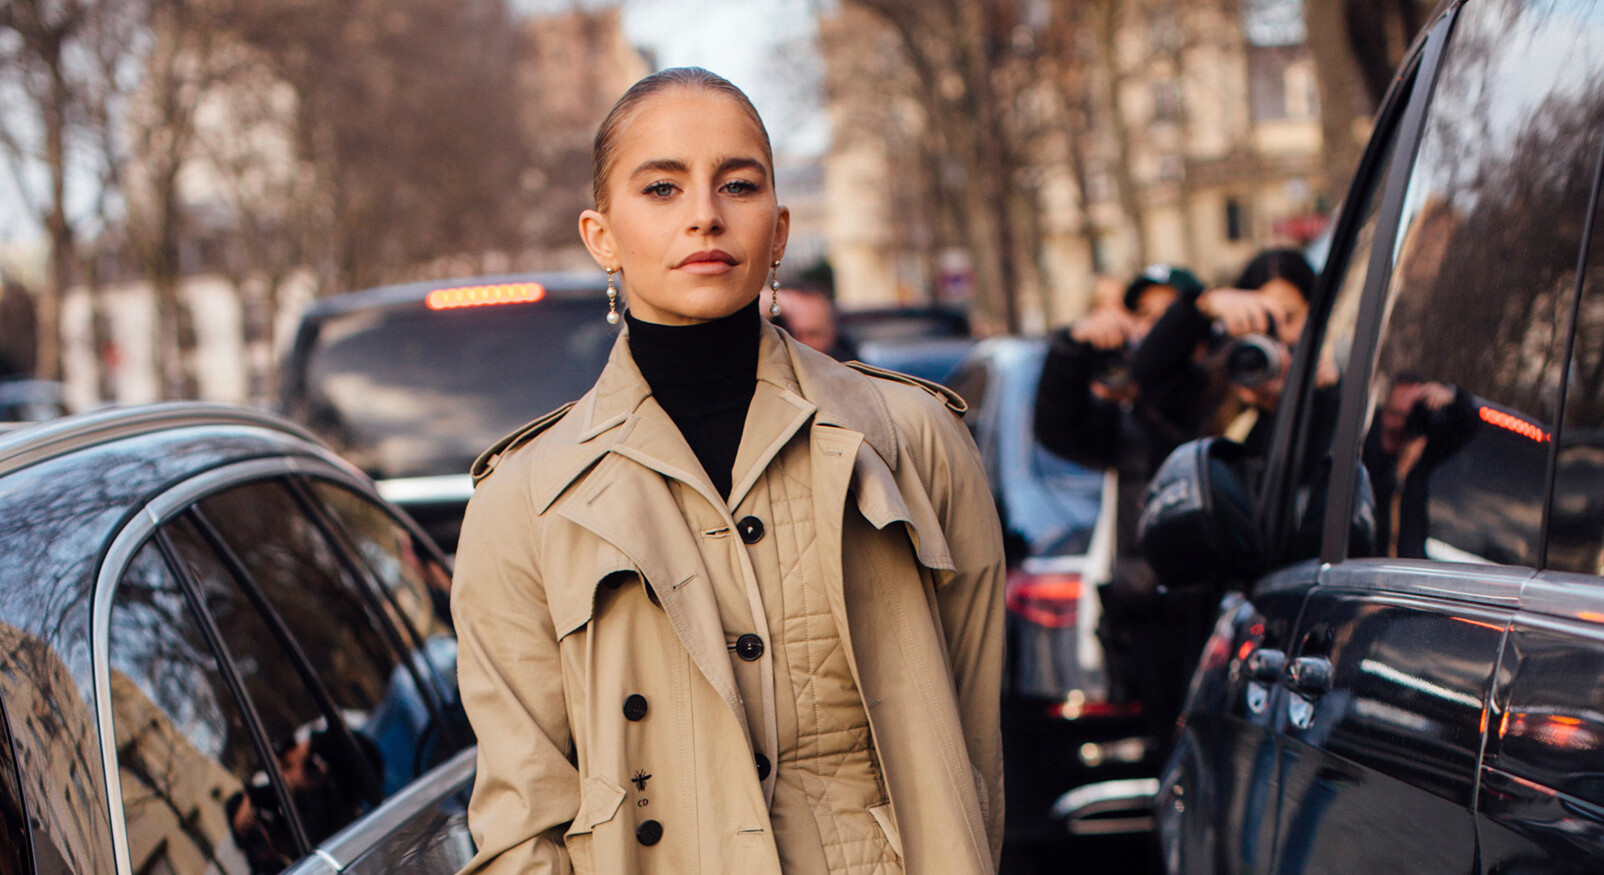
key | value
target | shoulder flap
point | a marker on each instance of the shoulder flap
(486, 463)
(953, 400)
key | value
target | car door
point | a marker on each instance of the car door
(1449, 422)
(302, 714)
(1541, 805)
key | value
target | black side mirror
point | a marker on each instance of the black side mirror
(1197, 522)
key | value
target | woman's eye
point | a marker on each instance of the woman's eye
(659, 189)
(740, 186)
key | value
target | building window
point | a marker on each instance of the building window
(1236, 220)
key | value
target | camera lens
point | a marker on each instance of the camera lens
(1253, 360)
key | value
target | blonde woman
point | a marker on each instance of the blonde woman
(739, 608)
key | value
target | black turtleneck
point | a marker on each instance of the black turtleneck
(703, 376)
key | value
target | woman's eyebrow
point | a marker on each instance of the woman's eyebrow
(661, 165)
(728, 164)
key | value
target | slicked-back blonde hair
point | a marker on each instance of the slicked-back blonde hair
(605, 150)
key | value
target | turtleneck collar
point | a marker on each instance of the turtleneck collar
(686, 355)
(702, 376)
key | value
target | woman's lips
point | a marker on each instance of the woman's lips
(711, 262)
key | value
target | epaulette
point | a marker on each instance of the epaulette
(486, 463)
(953, 400)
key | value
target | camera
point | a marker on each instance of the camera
(1112, 368)
(1255, 359)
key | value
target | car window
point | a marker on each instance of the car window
(1336, 340)
(414, 392)
(196, 793)
(16, 856)
(1576, 517)
(330, 775)
(419, 594)
(418, 586)
(336, 620)
(1463, 396)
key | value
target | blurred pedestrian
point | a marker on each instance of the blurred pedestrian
(1089, 409)
(682, 599)
(808, 312)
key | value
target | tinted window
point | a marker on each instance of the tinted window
(418, 592)
(1576, 520)
(196, 795)
(1469, 361)
(15, 856)
(334, 617)
(327, 774)
(1336, 346)
(411, 392)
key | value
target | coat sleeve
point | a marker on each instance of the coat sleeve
(970, 603)
(1069, 419)
(526, 790)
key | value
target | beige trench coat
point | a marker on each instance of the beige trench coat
(581, 594)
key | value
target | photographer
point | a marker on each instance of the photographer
(1088, 409)
(1184, 369)
(1419, 426)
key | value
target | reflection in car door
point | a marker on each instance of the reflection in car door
(1385, 713)
(1542, 793)
(1216, 809)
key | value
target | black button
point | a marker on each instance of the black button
(749, 647)
(751, 529)
(762, 767)
(635, 707)
(650, 832)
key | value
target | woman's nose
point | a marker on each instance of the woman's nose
(705, 215)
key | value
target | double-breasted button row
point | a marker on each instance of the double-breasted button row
(751, 529)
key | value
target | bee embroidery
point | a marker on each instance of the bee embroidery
(640, 779)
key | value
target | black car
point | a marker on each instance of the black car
(220, 651)
(1407, 673)
(1078, 762)
(411, 382)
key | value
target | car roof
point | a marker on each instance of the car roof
(561, 284)
(35, 442)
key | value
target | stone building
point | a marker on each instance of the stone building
(1197, 141)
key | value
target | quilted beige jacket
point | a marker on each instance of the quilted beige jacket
(607, 689)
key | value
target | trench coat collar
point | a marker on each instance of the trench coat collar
(786, 369)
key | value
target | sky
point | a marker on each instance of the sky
(765, 47)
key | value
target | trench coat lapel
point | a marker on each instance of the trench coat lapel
(626, 501)
(776, 413)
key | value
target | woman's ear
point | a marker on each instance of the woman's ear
(782, 233)
(598, 236)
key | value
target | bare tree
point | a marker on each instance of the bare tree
(50, 63)
(964, 55)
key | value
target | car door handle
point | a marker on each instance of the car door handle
(1309, 675)
(1266, 665)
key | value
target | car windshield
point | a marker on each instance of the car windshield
(413, 392)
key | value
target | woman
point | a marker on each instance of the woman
(739, 608)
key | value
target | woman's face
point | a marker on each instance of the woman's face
(1291, 300)
(692, 220)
